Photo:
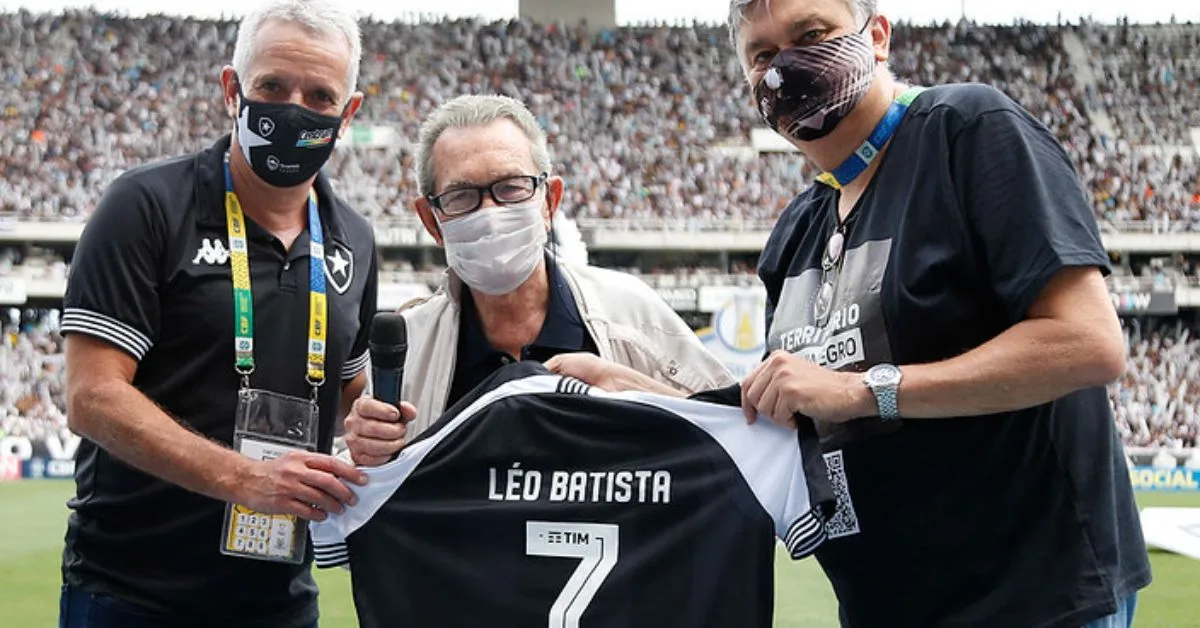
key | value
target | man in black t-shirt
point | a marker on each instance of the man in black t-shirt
(171, 395)
(937, 306)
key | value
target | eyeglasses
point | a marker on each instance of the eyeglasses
(460, 201)
(831, 263)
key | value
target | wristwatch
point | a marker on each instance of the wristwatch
(884, 382)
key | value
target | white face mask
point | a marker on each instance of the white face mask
(496, 249)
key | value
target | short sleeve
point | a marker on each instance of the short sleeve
(1024, 205)
(112, 287)
(359, 354)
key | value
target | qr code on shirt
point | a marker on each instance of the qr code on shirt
(844, 521)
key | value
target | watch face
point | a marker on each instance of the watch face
(884, 375)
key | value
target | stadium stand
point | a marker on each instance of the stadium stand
(1157, 402)
(650, 125)
(1149, 79)
(31, 383)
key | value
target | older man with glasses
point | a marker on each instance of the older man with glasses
(488, 197)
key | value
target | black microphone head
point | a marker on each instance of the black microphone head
(388, 328)
(388, 338)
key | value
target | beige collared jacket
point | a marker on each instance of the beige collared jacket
(627, 319)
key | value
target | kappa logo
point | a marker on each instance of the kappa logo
(266, 127)
(212, 251)
(339, 267)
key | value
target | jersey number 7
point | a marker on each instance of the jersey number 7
(595, 543)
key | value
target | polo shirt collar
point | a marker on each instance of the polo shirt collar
(210, 172)
(562, 330)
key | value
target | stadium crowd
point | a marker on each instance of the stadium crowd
(1156, 403)
(1152, 79)
(31, 383)
(647, 123)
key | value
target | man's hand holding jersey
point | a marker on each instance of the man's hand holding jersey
(780, 387)
(301, 483)
(605, 375)
(785, 385)
(376, 430)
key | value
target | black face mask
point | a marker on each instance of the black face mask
(284, 143)
(808, 90)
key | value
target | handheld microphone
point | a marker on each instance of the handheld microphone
(389, 344)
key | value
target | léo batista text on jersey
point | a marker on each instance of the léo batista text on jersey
(514, 484)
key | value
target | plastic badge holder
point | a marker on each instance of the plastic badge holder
(268, 426)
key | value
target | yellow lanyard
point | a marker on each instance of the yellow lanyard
(243, 297)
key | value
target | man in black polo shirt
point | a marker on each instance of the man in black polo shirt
(216, 319)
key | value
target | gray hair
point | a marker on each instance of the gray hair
(863, 9)
(476, 110)
(320, 17)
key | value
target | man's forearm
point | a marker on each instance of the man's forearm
(1033, 362)
(123, 421)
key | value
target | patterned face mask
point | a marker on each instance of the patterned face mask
(808, 90)
(285, 144)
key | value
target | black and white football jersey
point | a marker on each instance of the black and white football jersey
(540, 501)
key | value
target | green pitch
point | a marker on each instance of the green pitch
(33, 518)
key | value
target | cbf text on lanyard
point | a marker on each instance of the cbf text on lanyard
(243, 298)
(269, 425)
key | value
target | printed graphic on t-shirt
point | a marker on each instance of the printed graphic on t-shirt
(853, 338)
(844, 521)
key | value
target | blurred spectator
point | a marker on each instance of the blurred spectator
(32, 264)
(31, 385)
(1150, 78)
(1157, 401)
(651, 124)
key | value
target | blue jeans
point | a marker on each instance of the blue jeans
(80, 609)
(1123, 618)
